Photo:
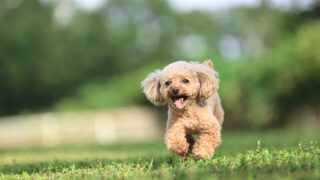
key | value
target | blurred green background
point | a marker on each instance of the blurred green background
(59, 56)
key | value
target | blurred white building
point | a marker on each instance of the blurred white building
(88, 127)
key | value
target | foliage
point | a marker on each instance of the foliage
(281, 85)
(124, 90)
(265, 92)
(43, 59)
(249, 158)
(98, 59)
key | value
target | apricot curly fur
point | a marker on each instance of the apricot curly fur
(201, 112)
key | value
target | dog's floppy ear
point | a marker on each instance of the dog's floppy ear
(151, 88)
(209, 83)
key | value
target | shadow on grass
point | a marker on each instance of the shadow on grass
(123, 146)
(60, 166)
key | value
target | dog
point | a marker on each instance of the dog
(190, 89)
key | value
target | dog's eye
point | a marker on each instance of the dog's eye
(168, 83)
(185, 81)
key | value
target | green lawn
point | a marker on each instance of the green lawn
(279, 155)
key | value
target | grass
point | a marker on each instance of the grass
(243, 155)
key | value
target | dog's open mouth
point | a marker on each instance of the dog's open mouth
(179, 101)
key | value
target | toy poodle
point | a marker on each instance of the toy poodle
(190, 89)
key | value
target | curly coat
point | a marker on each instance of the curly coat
(190, 89)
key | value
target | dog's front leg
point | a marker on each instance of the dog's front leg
(206, 144)
(176, 140)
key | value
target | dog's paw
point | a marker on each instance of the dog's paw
(179, 148)
(202, 153)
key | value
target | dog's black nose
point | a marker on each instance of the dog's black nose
(175, 91)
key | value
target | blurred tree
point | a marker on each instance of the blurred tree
(54, 56)
(45, 57)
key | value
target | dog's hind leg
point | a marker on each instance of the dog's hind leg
(191, 142)
(218, 111)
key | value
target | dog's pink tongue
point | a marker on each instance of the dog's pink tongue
(179, 103)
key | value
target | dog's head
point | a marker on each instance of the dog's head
(181, 83)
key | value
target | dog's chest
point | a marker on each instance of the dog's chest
(192, 123)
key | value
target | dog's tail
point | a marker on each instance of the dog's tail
(208, 63)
